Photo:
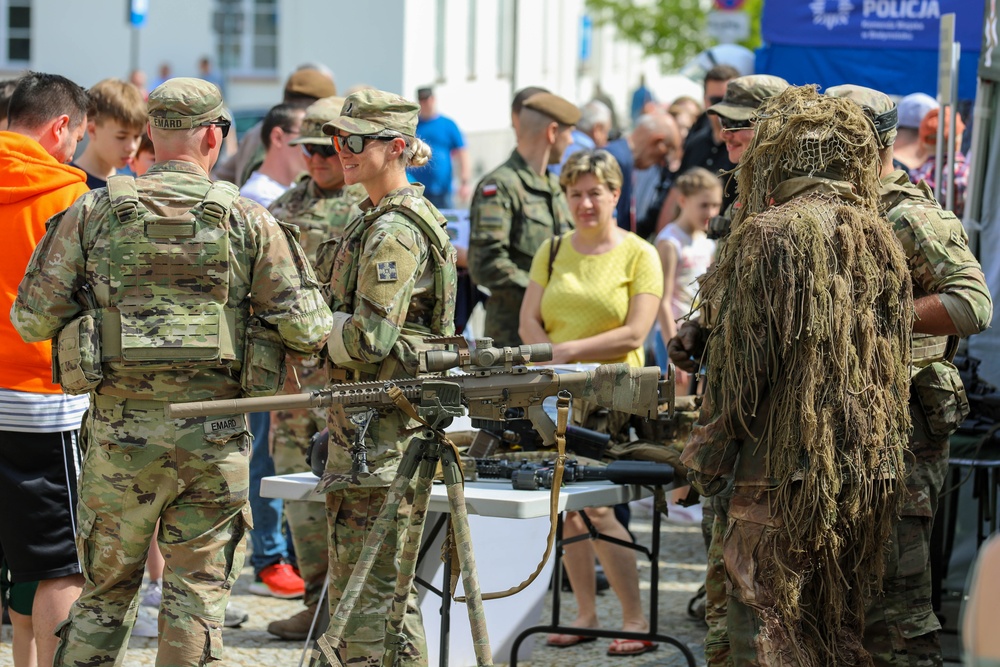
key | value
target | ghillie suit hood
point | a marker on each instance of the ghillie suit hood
(811, 366)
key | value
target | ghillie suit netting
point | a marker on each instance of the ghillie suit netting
(811, 354)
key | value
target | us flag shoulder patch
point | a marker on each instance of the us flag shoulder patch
(489, 190)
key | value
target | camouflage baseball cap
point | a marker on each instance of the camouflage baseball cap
(372, 111)
(744, 94)
(318, 114)
(182, 103)
(878, 106)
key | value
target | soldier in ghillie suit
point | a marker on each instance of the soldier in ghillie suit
(391, 284)
(149, 285)
(320, 205)
(951, 300)
(806, 407)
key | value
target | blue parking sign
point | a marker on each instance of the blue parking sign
(137, 12)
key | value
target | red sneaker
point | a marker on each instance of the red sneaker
(279, 581)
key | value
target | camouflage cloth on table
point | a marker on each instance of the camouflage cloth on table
(901, 625)
(392, 282)
(319, 215)
(513, 210)
(192, 474)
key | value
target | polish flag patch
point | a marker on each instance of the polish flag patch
(489, 190)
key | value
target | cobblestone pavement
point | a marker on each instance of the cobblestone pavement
(682, 569)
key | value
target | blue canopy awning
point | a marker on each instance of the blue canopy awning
(890, 45)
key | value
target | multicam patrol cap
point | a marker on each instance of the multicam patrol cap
(878, 107)
(183, 103)
(373, 111)
(744, 94)
(318, 114)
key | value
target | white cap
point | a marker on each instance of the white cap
(913, 108)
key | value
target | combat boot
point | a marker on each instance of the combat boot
(297, 627)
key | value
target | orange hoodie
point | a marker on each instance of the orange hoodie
(33, 188)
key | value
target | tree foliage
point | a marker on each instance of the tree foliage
(674, 30)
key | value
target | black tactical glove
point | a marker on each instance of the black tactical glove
(686, 348)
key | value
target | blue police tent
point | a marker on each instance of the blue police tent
(889, 45)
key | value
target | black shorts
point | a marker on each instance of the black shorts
(38, 494)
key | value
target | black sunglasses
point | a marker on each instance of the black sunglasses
(223, 124)
(715, 99)
(322, 150)
(356, 142)
(728, 124)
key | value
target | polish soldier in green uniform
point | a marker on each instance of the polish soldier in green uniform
(951, 301)
(516, 207)
(320, 205)
(166, 289)
(391, 279)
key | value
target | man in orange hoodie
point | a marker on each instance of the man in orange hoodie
(39, 455)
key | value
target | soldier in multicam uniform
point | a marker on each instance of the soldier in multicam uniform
(321, 206)
(149, 285)
(392, 283)
(516, 207)
(951, 300)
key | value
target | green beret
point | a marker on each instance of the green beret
(557, 108)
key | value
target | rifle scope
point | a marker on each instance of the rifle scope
(485, 355)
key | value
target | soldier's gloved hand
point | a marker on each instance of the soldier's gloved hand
(707, 485)
(686, 348)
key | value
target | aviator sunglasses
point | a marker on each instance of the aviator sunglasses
(356, 142)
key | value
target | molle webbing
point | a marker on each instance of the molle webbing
(437, 238)
(169, 283)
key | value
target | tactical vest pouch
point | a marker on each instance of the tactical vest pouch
(939, 390)
(263, 361)
(77, 356)
(168, 336)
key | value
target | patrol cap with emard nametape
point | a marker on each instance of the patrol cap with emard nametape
(745, 93)
(373, 111)
(183, 103)
(318, 114)
(557, 108)
(878, 107)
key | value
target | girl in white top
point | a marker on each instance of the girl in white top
(686, 253)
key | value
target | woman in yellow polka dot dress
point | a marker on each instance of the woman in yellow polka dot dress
(593, 294)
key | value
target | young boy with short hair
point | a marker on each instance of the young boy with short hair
(115, 122)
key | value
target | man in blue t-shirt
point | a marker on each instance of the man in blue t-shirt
(446, 142)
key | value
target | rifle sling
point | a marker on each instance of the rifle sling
(562, 419)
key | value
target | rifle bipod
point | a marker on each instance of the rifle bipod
(420, 459)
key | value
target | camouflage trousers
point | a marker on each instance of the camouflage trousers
(715, 519)
(350, 514)
(901, 629)
(290, 434)
(758, 636)
(192, 475)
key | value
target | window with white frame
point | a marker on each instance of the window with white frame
(248, 36)
(15, 32)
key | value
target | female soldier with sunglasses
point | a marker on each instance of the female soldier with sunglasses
(392, 283)
(321, 205)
